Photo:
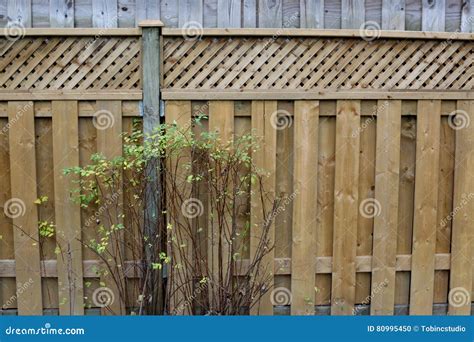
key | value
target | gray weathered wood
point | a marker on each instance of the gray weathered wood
(453, 15)
(467, 16)
(249, 13)
(413, 15)
(147, 9)
(126, 13)
(312, 14)
(229, 13)
(291, 13)
(210, 13)
(270, 13)
(169, 13)
(433, 15)
(352, 14)
(190, 11)
(151, 119)
(40, 13)
(61, 13)
(19, 11)
(83, 13)
(393, 15)
(104, 13)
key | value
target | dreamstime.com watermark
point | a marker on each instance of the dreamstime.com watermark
(376, 290)
(20, 290)
(46, 330)
(98, 213)
(464, 201)
(17, 117)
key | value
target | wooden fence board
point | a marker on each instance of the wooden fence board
(19, 11)
(229, 13)
(22, 209)
(270, 13)
(61, 13)
(386, 201)
(67, 213)
(345, 208)
(305, 207)
(426, 202)
(221, 121)
(104, 13)
(433, 15)
(264, 159)
(179, 113)
(312, 13)
(353, 14)
(393, 15)
(109, 144)
(461, 283)
(190, 12)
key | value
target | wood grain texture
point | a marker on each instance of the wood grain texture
(386, 207)
(67, 212)
(346, 209)
(393, 15)
(109, 145)
(461, 281)
(312, 13)
(270, 13)
(21, 207)
(306, 120)
(426, 202)
(179, 113)
(229, 13)
(104, 13)
(352, 14)
(190, 12)
(264, 159)
(19, 11)
(433, 15)
(61, 13)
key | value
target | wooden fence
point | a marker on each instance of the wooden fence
(367, 139)
(410, 15)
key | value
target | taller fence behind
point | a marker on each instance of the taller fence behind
(344, 120)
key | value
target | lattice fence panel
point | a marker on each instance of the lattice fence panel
(70, 63)
(317, 63)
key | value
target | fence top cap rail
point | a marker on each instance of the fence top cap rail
(19, 32)
(151, 23)
(344, 33)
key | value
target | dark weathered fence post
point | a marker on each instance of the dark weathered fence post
(151, 65)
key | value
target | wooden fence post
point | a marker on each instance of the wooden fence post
(151, 69)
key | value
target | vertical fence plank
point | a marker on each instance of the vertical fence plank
(179, 113)
(61, 13)
(353, 14)
(21, 207)
(67, 213)
(147, 9)
(221, 121)
(19, 11)
(109, 144)
(104, 13)
(229, 13)
(467, 13)
(249, 12)
(270, 13)
(151, 63)
(413, 15)
(426, 202)
(387, 167)
(433, 15)
(345, 207)
(169, 12)
(303, 256)
(312, 14)
(393, 15)
(462, 232)
(264, 159)
(190, 11)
